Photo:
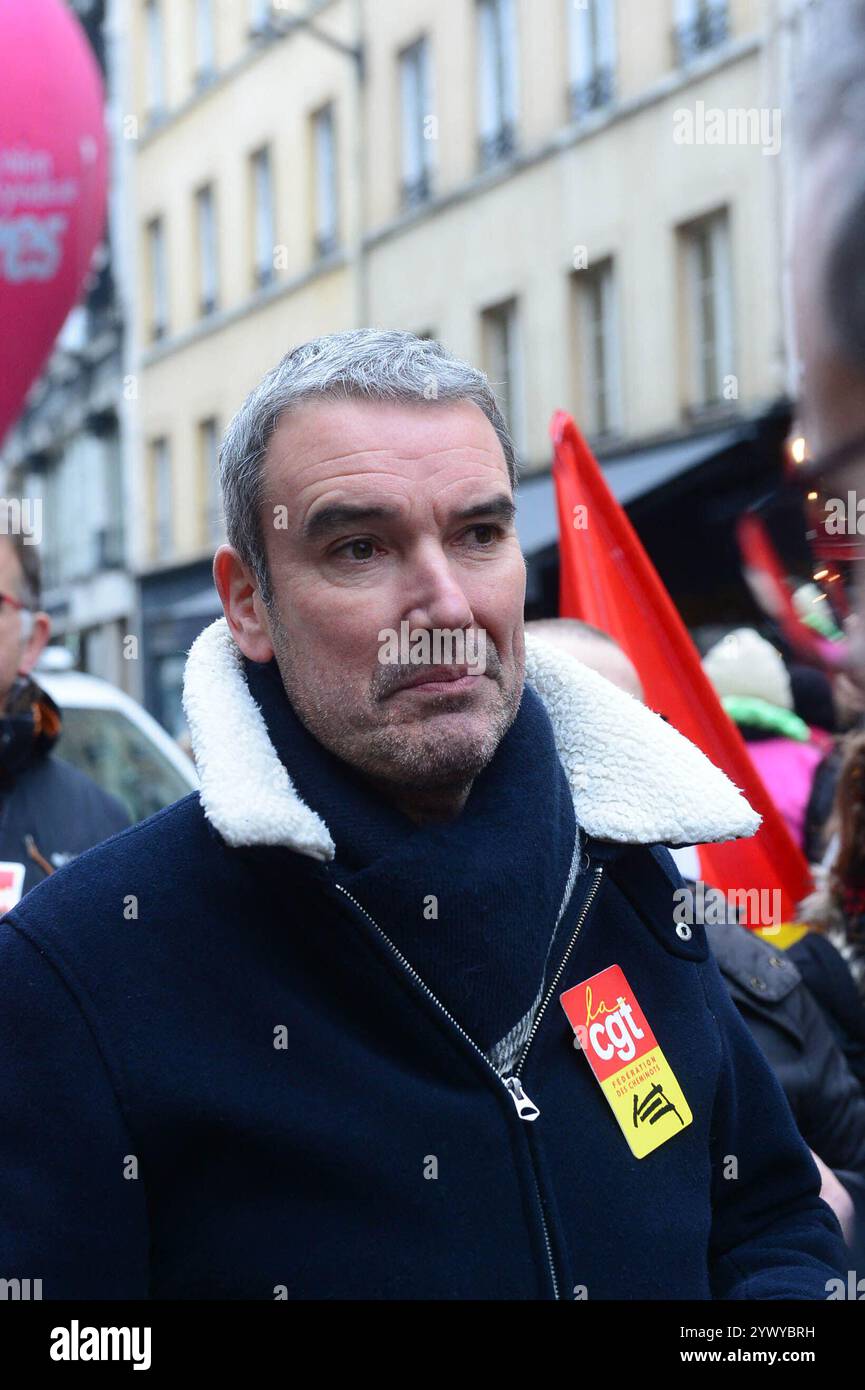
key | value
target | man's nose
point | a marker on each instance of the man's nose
(433, 594)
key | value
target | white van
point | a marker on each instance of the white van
(109, 736)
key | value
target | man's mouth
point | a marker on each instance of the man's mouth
(453, 680)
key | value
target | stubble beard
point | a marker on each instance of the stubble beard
(421, 754)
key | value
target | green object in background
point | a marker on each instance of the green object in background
(822, 622)
(760, 714)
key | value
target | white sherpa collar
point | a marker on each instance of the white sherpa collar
(633, 778)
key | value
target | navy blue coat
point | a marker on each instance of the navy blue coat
(46, 804)
(154, 1142)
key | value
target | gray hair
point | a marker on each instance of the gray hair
(359, 364)
(830, 104)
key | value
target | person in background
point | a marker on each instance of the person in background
(49, 811)
(593, 647)
(759, 694)
(796, 1037)
(757, 691)
(827, 266)
(838, 906)
(824, 1094)
(834, 704)
(827, 269)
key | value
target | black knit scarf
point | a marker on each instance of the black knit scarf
(473, 904)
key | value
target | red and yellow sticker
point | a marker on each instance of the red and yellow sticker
(11, 884)
(624, 1055)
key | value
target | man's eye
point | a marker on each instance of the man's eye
(485, 533)
(351, 550)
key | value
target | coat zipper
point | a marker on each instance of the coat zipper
(525, 1108)
(514, 1083)
(597, 875)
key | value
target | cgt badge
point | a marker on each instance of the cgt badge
(632, 1071)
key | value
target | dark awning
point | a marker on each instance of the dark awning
(629, 476)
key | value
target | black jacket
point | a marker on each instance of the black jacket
(785, 1020)
(220, 1077)
(49, 811)
(827, 975)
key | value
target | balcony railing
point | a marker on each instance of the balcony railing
(709, 28)
(264, 25)
(109, 548)
(598, 92)
(414, 192)
(155, 116)
(52, 569)
(492, 149)
(325, 244)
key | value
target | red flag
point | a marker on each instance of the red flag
(607, 579)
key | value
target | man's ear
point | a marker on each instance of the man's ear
(245, 613)
(31, 650)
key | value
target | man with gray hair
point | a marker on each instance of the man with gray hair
(396, 1007)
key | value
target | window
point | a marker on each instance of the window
(416, 108)
(698, 25)
(208, 266)
(121, 758)
(162, 503)
(260, 16)
(503, 362)
(598, 348)
(710, 308)
(155, 59)
(592, 55)
(205, 42)
(324, 146)
(158, 279)
(497, 80)
(109, 516)
(264, 232)
(45, 482)
(208, 455)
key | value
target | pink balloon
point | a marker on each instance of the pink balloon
(53, 170)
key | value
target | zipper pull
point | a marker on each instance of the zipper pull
(526, 1109)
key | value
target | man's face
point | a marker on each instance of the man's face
(394, 514)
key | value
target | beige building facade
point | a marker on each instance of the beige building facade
(583, 196)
